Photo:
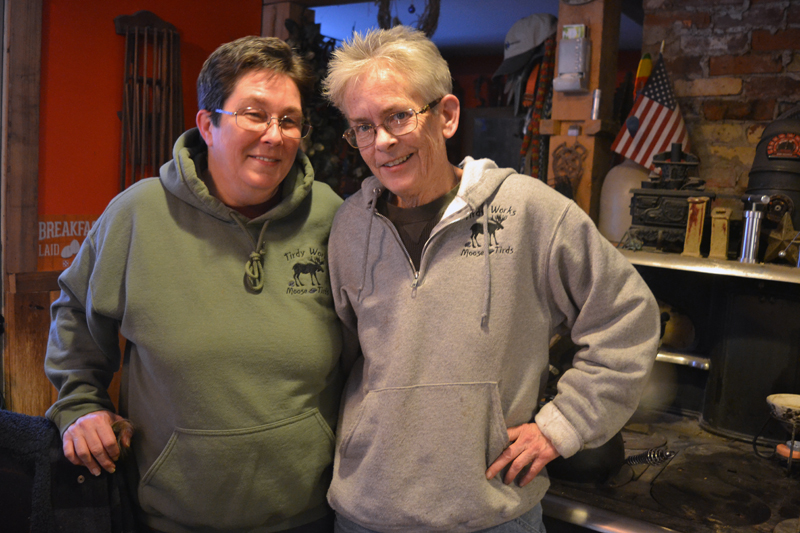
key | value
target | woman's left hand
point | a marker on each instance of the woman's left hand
(528, 448)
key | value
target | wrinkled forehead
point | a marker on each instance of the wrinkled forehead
(376, 93)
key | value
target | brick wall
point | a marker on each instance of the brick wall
(735, 67)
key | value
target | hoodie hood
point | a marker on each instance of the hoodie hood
(479, 182)
(182, 177)
(481, 178)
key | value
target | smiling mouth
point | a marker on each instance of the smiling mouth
(397, 161)
(267, 159)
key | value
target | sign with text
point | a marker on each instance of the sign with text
(60, 238)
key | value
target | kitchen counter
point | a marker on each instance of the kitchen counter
(713, 484)
(762, 271)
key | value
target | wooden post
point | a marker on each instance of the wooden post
(28, 298)
(274, 15)
(26, 388)
(20, 134)
(601, 18)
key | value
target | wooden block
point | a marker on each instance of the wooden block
(720, 232)
(694, 225)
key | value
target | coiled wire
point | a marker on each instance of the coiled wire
(653, 456)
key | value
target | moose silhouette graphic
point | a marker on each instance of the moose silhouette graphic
(310, 268)
(495, 223)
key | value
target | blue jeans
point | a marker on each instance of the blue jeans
(530, 522)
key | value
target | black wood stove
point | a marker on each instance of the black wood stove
(660, 208)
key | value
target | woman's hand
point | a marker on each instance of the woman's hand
(90, 441)
(528, 448)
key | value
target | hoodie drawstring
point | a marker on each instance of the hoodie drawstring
(372, 207)
(487, 275)
(254, 268)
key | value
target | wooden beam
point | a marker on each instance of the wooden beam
(274, 16)
(33, 282)
(602, 20)
(20, 134)
(631, 8)
(314, 3)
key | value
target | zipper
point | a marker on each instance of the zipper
(417, 273)
(402, 247)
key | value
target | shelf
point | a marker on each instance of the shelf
(769, 272)
(27, 282)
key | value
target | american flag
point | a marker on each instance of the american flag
(655, 121)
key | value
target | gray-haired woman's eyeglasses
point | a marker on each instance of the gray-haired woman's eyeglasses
(400, 123)
(255, 119)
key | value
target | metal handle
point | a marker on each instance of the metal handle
(752, 228)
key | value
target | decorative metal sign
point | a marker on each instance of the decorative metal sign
(784, 146)
(568, 167)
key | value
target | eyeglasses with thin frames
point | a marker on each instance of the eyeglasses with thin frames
(400, 123)
(255, 119)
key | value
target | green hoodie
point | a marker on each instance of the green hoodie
(231, 371)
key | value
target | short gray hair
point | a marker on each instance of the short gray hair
(403, 49)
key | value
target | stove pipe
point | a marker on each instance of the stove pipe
(776, 167)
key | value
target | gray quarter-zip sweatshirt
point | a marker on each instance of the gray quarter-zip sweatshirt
(455, 353)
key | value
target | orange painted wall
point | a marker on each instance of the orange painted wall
(82, 74)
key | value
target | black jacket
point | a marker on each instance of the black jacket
(42, 492)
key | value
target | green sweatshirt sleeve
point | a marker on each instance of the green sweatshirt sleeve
(83, 347)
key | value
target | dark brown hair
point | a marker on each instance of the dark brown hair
(227, 64)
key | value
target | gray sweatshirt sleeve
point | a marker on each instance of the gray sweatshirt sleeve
(345, 261)
(614, 320)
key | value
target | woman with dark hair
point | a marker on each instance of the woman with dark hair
(215, 274)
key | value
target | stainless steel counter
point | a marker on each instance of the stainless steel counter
(772, 272)
(713, 484)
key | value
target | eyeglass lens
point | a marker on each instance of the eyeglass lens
(401, 123)
(254, 119)
(397, 124)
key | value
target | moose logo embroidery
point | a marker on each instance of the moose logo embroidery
(311, 268)
(493, 231)
(307, 269)
(495, 223)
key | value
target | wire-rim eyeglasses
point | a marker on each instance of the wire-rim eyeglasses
(397, 124)
(255, 119)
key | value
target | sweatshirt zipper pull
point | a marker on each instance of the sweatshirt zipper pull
(414, 284)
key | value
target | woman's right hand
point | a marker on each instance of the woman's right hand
(91, 442)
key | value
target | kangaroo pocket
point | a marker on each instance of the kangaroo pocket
(417, 457)
(229, 479)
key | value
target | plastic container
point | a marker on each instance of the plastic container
(615, 199)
